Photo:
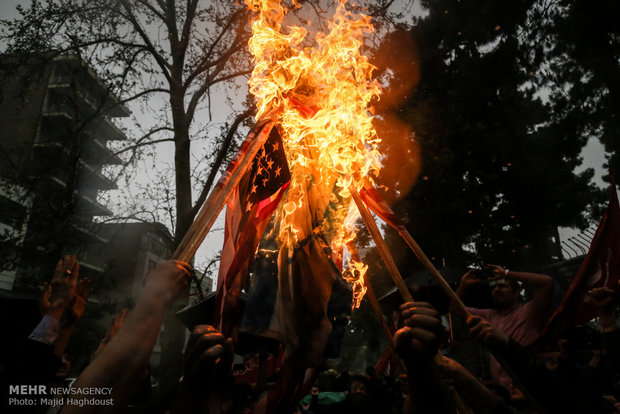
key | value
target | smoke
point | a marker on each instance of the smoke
(402, 161)
(398, 70)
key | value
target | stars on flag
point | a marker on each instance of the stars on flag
(269, 172)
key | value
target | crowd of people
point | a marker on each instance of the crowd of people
(428, 377)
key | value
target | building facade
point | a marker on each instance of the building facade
(56, 121)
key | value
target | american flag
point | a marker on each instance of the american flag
(248, 211)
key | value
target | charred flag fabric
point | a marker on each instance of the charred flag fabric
(249, 209)
(377, 204)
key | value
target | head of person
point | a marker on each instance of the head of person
(358, 384)
(506, 293)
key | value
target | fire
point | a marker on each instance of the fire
(322, 94)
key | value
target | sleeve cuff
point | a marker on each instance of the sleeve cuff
(46, 331)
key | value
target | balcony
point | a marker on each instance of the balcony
(89, 176)
(104, 154)
(85, 264)
(88, 206)
(106, 130)
(91, 89)
(87, 235)
(57, 113)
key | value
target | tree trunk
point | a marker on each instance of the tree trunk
(173, 335)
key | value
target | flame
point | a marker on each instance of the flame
(322, 94)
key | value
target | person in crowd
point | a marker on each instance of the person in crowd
(322, 394)
(417, 344)
(123, 361)
(40, 359)
(357, 400)
(545, 390)
(207, 385)
(603, 371)
(117, 321)
(521, 321)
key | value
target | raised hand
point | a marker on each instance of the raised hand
(60, 292)
(208, 358)
(45, 302)
(422, 333)
(117, 323)
(484, 332)
(498, 272)
(470, 278)
(78, 305)
(601, 297)
(64, 281)
(167, 282)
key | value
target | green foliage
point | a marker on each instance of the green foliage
(579, 42)
(498, 159)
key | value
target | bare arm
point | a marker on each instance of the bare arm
(470, 278)
(543, 284)
(207, 371)
(76, 310)
(603, 298)
(123, 362)
(59, 294)
(478, 397)
(117, 322)
(417, 344)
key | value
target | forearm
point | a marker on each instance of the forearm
(124, 360)
(607, 319)
(551, 392)
(461, 289)
(476, 395)
(537, 280)
(56, 311)
(63, 338)
(543, 286)
(454, 308)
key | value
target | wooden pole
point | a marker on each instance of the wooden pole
(381, 246)
(387, 258)
(370, 294)
(217, 198)
(428, 265)
(394, 273)
(430, 268)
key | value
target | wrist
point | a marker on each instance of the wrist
(419, 365)
(154, 301)
(606, 321)
(56, 311)
(70, 322)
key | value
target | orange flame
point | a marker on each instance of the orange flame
(322, 94)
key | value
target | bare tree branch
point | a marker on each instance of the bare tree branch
(219, 159)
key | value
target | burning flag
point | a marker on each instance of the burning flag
(322, 95)
(250, 207)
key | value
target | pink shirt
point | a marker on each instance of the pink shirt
(523, 323)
